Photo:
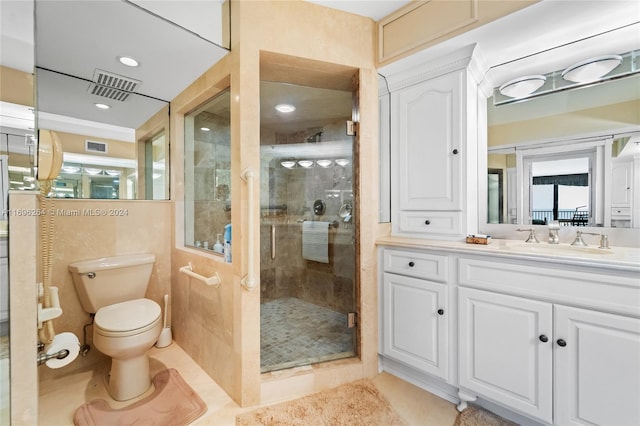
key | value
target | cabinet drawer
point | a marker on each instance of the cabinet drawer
(620, 213)
(433, 222)
(612, 293)
(419, 265)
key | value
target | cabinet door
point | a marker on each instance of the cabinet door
(621, 178)
(428, 131)
(505, 350)
(597, 368)
(415, 323)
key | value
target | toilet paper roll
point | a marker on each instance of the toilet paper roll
(63, 341)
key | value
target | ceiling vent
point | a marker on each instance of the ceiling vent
(94, 146)
(112, 86)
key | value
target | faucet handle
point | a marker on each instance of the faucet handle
(579, 241)
(532, 235)
(604, 239)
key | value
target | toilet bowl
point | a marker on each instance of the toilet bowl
(126, 324)
(125, 332)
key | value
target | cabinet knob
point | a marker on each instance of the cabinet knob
(411, 264)
(440, 311)
(561, 343)
(427, 222)
(455, 151)
(543, 338)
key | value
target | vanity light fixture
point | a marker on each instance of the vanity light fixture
(205, 129)
(102, 106)
(128, 61)
(342, 162)
(324, 163)
(288, 164)
(113, 172)
(285, 108)
(591, 69)
(305, 163)
(522, 86)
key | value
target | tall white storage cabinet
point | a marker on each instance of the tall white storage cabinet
(434, 146)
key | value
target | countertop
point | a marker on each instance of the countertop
(618, 258)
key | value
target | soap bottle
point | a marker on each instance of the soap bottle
(227, 243)
(227, 251)
(217, 247)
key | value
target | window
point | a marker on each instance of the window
(208, 174)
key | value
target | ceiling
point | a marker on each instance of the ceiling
(374, 9)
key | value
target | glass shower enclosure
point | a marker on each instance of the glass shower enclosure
(308, 253)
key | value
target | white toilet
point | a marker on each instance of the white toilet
(126, 325)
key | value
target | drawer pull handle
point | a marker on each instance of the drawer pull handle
(455, 151)
(440, 311)
(543, 338)
(561, 343)
(411, 264)
(427, 222)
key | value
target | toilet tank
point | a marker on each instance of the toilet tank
(108, 280)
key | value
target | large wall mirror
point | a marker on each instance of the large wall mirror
(571, 155)
(105, 75)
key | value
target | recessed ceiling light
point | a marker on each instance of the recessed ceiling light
(324, 163)
(342, 162)
(286, 108)
(205, 129)
(128, 61)
(102, 106)
(591, 69)
(522, 86)
(305, 163)
(288, 164)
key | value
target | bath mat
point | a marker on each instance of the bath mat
(476, 416)
(353, 404)
(172, 402)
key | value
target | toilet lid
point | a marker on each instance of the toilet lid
(129, 315)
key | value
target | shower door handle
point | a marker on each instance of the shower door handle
(273, 241)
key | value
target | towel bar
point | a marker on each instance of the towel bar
(213, 280)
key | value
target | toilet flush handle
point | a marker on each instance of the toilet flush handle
(91, 275)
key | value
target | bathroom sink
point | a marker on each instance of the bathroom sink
(556, 249)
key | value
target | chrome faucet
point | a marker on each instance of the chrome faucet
(604, 239)
(532, 235)
(554, 228)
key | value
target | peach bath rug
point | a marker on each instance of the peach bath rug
(476, 416)
(353, 404)
(173, 403)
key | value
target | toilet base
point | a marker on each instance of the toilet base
(129, 378)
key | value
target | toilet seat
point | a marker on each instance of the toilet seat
(127, 318)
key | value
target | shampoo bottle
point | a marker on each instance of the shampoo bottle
(217, 247)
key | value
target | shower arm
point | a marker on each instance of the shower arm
(249, 281)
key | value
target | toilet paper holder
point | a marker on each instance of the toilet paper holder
(44, 357)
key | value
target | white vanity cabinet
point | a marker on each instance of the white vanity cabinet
(427, 149)
(534, 338)
(415, 311)
(505, 350)
(622, 184)
(434, 145)
(597, 368)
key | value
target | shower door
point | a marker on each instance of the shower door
(308, 253)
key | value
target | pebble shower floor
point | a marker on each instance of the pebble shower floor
(295, 333)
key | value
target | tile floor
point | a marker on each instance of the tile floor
(294, 332)
(60, 398)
